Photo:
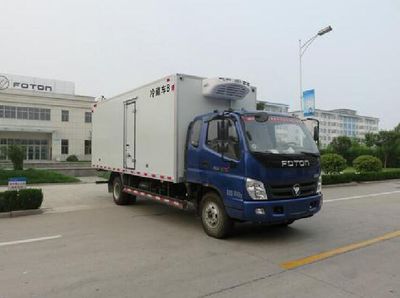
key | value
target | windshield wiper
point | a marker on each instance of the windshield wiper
(310, 153)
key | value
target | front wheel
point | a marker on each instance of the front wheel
(215, 220)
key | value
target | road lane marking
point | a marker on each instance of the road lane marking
(30, 240)
(337, 251)
(362, 196)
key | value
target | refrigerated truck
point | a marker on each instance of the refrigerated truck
(199, 143)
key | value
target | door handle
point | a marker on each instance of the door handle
(205, 164)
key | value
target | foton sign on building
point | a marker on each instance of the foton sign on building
(9, 81)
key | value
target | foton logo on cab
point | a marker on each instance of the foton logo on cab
(295, 163)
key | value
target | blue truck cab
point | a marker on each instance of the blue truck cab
(259, 167)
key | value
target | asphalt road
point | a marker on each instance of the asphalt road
(85, 246)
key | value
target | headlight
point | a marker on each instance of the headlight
(256, 189)
(319, 186)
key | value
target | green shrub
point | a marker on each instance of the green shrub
(365, 176)
(9, 201)
(13, 200)
(16, 154)
(4, 204)
(20, 200)
(332, 163)
(367, 163)
(30, 198)
(72, 158)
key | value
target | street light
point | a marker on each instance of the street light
(302, 49)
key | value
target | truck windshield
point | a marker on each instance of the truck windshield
(278, 135)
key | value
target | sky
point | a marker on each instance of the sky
(108, 47)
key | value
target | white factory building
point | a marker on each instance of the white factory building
(45, 117)
(342, 122)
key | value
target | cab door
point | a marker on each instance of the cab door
(192, 153)
(222, 160)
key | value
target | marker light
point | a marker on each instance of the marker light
(259, 211)
(319, 186)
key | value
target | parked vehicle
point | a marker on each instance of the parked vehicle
(197, 143)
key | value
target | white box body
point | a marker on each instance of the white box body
(143, 131)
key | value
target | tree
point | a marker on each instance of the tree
(16, 155)
(260, 105)
(332, 163)
(388, 142)
(357, 149)
(341, 145)
(370, 139)
(397, 128)
(367, 163)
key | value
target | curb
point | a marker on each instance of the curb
(354, 183)
(21, 213)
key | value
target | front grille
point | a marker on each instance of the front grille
(279, 192)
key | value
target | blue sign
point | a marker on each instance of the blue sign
(309, 103)
(16, 183)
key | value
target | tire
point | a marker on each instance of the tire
(120, 198)
(215, 220)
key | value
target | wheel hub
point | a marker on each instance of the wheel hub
(211, 215)
(117, 190)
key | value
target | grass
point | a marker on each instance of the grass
(34, 176)
(104, 174)
(352, 170)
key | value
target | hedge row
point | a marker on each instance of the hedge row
(20, 200)
(368, 176)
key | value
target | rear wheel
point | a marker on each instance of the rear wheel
(120, 198)
(215, 220)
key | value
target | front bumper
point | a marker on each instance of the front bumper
(278, 211)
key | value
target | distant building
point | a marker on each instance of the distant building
(342, 122)
(274, 107)
(45, 117)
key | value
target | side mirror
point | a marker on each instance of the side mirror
(316, 133)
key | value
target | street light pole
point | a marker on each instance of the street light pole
(300, 77)
(302, 50)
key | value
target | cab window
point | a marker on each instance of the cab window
(195, 133)
(214, 141)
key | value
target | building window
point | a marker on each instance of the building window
(88, 117)
(88, 147)
(26, 113)
(64, 116)
(44, 114)
(9, 112)
(34, 149)
(64, 146)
